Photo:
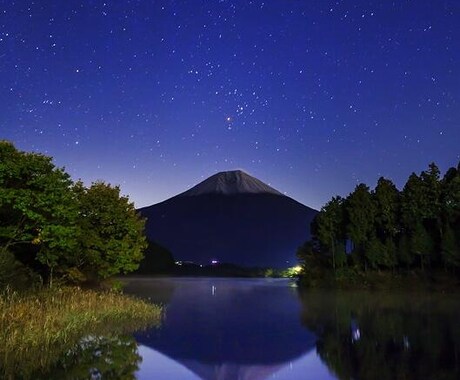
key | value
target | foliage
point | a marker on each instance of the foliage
(51, 227)
(110, 235)
(14, 274)
(387, 229)
(37, 210)
(330, 232)
(361, 216)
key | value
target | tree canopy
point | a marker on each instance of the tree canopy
(50, 226)
(388, 229)
(110, 232)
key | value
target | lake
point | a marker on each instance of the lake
(257, 329)
(230, 329)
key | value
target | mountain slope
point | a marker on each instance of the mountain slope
(230, 183)
(231, 217)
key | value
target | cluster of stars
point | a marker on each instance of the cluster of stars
(299, 93)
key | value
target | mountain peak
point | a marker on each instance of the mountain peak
(231, 183)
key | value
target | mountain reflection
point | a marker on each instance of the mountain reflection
(383, 336)
(226, 328)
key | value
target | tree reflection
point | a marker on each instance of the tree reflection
(96, 357)
(381, 336)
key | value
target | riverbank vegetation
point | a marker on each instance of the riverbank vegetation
(57, 236)
(387, 237)
(38, 327)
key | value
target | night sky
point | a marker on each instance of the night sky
(311, 97)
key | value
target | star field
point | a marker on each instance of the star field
(311, 97)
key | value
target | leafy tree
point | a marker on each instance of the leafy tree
(111, 233)
(37, 210)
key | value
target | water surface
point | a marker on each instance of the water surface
(264, 329)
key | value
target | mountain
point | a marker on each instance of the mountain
(231, 217)
(230, 183)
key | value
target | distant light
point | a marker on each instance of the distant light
(297, 269)
(213, 262)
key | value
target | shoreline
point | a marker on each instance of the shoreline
(374, 280)
(37, 329)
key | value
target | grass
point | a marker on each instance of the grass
(36, 328)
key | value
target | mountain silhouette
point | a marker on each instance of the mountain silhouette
(231, 217)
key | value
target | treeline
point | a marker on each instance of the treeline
(51, 227)
(389, 230)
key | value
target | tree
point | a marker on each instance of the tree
(411, 216)
(431, 194)
(329, 230)
(387, 211)
(386, 198)
(450, 196)
(412, 202)
(111, 233)
(37, 210)
(361, 220)
(450, 249)
(421, 243)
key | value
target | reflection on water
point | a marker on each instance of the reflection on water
(224, 328)
(264, 329)
(254, 329)
(95, 357)
(386, 336)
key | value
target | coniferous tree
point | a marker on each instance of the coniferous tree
(450, 203)
(411, 218)
(329, 230)
(387, 204)
(361, 220)
(450, 248)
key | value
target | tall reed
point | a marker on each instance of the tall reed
(36, 328)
